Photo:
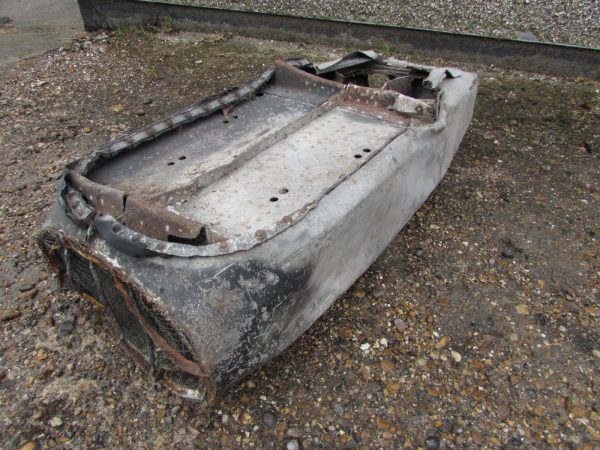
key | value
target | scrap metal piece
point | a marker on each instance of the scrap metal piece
(214, 248)
(350, 60)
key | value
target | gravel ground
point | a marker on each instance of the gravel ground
(575, 22)
(482, 316)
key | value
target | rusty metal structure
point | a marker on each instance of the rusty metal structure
(218, 235)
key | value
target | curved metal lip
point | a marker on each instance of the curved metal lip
(132, 242)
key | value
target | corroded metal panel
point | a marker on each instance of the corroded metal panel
(216, 245)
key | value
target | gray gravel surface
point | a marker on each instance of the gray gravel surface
(477, 327)
(575, 22)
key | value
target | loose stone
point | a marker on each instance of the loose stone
(293, 445)
(269, 419)
(400, 325)
(456, 356)
(294, 432)
(56, 422)
(432, 443)
(508, 254)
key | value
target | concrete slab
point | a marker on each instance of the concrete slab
(36, 27)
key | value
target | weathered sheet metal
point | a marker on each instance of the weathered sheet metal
(215, 247)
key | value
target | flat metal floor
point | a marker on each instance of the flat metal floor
(176, 159)
(286, 177)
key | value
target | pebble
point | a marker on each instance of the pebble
(442, 342)
(225, 419)
(338, 408)
(28, 446)
(29, 279)
(378, 292)
(504, 411)
(387, 365)
(400, 325)
(508, 254)
(527, 36)
(359, 293)
(246, 418)
(269, 419)
(294, 432)
(191, 431)
(477, 437)
(118, 107)
(28, 295)
(522, 309)
(456, 356)
(56, 422)
(577, 412)
(574, 439)
(9, 314)
(366, 346)
(68, 325)
(292, 445)
(421, 362)
(422, 419)
(432, 443)
(596, 354)
(392, 388)
(38, 414)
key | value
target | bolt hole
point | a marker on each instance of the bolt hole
(283, 191)
(170, 163)
(235, 117)
(358, 156)
(226, 121)
(181, 158)
(367, 150)
(259, 94)
(273, 199)
(117, 227)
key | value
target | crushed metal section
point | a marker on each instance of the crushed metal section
(146, 329)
